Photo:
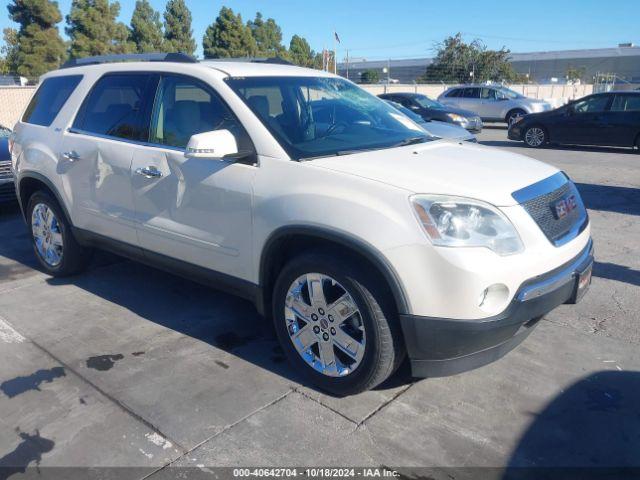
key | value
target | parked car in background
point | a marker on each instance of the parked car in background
(7, 188)
(494, 103)
(435, 127)
(431, 110)
(611, 119)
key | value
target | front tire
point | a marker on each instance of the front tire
(336, 323)
(53, 242)
(535, 136)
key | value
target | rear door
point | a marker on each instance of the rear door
(470, 100)
(623, 119)
(96, 152)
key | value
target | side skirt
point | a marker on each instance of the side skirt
(210, 278)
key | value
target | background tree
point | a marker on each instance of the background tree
(37, 47)
(178, 34)
(146, 29)
(574, 74)
(228, 36)
(300, 52)
(9, 51)
(369, 76)
(268, 36)
(462, 62)
(93, 29)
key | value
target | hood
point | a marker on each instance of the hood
(443, 167)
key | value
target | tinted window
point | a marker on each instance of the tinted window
(49, 99)
(471, 93)
(115, 106)
(592, 104)
(488, 93)
(186, 107)
(455, 93)
(626, 103)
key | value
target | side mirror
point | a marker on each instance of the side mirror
(216, 144)
(502, 99)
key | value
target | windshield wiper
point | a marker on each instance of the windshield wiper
(412, 141)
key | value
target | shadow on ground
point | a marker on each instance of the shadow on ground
(221, 320)
(593, 424)
(610, 198)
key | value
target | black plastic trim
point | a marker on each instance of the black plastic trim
(211, 278)
(444, 346)
(358, 245)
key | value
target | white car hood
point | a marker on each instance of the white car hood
(447, 130)
(445, 167)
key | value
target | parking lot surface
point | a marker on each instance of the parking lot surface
(128, 366)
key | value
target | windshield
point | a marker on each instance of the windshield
(320, 116)
(426, 102)
(507, 92)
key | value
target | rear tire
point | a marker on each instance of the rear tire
(535, 136)
(53, 242)
(364, 321)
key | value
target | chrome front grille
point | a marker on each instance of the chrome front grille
(540, 200)
(5, 170)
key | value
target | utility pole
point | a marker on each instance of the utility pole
(347, 64)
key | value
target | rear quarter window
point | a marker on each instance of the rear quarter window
(49, 99)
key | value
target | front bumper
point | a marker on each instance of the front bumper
(439, 347)
(514, 132)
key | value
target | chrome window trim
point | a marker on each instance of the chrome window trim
(142, 143)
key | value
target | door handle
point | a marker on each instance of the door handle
(72, 156)
(149, 172)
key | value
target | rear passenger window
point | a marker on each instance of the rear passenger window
(49, 99)
(116, 106)
(626, 103)
(454, 93)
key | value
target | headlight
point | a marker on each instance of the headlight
(457, 118)
(464, 222)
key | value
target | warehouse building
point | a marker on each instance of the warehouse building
(542, 67)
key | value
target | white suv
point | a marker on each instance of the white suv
(361, 236)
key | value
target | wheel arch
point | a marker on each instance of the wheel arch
(286, 242)
(30, 182)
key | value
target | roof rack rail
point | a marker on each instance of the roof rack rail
(274, 60)
(130, 57)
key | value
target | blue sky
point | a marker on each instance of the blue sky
(379, 29)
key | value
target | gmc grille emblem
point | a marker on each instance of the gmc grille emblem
(564, 206)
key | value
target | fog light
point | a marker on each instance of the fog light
(494, 298)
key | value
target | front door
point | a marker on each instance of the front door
(96, 153)
(197, 210)
(583, 122)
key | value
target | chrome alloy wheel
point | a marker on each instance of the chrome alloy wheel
(325, 325)
(534, 136)
(47, 234)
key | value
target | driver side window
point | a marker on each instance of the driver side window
(592, 104)
(488, 94)
(185, 107)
